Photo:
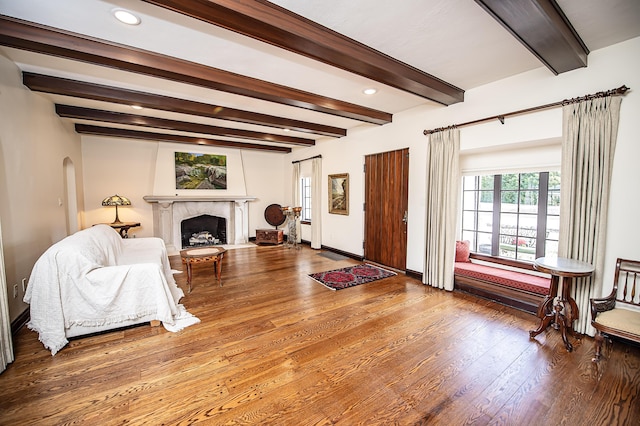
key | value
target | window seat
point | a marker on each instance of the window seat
(518, 289)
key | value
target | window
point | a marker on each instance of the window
(305, 196)
(515, 216)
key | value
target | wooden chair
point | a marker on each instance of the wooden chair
(619, 313)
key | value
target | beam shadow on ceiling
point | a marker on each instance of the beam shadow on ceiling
(542, 27)
(98, 92)
(270, 23)
(38, 38)
(81, 113)
(164, 137)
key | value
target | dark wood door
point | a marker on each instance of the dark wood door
(386, 204)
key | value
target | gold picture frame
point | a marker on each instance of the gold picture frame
(339, 194)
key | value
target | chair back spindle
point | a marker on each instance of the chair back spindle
(628, 280)
(618, 314)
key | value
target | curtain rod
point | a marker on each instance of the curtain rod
(305, 159)
(619, 91)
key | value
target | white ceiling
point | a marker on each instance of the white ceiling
(454, 40)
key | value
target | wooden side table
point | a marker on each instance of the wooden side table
(203, 255)
(564, 311)
(123, 227)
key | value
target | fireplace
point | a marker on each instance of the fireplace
(203, 230)
(227, 219)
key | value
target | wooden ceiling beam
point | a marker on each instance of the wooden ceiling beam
(80, 113)
(38, 38)
(98, 92)
(270, 23)
(164, 137)
(544, 29)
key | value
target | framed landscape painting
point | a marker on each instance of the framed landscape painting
(339, 194)
(201, 171)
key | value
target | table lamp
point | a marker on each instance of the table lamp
(116, 200)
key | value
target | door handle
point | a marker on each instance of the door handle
(405, 217)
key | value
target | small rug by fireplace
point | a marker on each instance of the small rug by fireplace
(351, 276)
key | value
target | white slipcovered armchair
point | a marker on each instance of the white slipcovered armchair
(94, 280)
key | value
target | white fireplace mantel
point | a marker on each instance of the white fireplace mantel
(169, 211)
(204, 198)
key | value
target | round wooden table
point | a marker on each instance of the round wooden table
(564, 311)
(203, 255)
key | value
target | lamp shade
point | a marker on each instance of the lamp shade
(116, 200)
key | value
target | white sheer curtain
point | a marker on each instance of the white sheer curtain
(295, 198)
(6, 345)
(590, 130)
(443, 191)
(316, 205)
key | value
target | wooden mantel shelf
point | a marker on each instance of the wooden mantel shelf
(185, 198)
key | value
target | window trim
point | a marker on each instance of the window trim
(303, 219)
(542, 216)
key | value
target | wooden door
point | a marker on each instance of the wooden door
(386, 204)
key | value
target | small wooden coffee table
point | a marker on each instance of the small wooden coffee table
(203, 255)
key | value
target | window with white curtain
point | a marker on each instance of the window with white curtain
(305, 197)
(514, 215)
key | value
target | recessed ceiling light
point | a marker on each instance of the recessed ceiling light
(370, 91)
(136, 107)
(126, 17)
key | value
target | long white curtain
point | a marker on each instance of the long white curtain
(295, 198)
(443, 192)
(6, 345)
(316, 205)
(590, 130)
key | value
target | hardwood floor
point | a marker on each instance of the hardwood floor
(276, 347)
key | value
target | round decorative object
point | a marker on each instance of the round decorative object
(274, 216)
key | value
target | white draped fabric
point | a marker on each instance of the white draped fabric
(589, 137)
(443, 192)
(296, 201)
(6, 345)
(316, 205)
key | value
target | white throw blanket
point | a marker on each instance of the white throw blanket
(95, 279)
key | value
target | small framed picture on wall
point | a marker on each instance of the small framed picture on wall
(339, 193)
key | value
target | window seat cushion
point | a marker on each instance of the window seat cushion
(513, 279)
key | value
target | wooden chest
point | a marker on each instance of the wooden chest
(269, 236)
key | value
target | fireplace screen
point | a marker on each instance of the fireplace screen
(203, 230)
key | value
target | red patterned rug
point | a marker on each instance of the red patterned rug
(351, 276)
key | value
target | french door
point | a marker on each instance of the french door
(386, 204)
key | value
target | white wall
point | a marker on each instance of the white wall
(137, 168)
(608, 68)
(165, 183)
(266, 180)
(34, 143)
(118, 166)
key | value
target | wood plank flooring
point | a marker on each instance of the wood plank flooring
(276, 348)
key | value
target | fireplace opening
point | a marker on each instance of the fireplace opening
(203, 230)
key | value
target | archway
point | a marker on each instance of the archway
(71, 204)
